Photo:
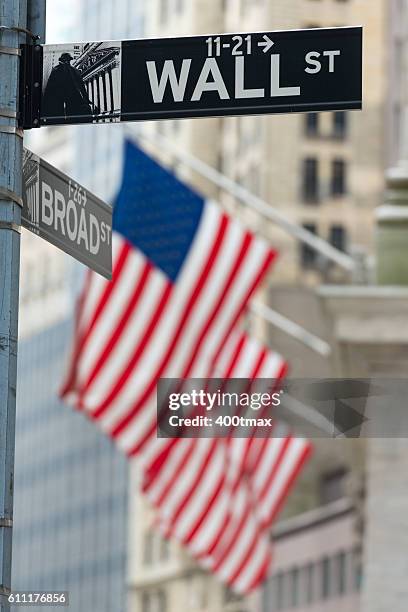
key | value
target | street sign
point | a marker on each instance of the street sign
(66, 214)
(199, 76)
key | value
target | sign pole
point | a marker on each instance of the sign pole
(13, 15)
(36, 13)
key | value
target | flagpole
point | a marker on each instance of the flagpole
(291, 328)
(240, 193)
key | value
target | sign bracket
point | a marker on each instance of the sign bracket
(20, 31)
(30, 86)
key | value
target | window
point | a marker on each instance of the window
(154, 601)
(307, 254)
(161, 601)
(340, 124)
(338, 237)
(164, 549)
(312, 124)
(338, 180)
(230, 595)
(294, 588)
(357, 569)
(325, 578)
(310, 179)
(310, 584)
(332, 486)
(341, 573)
(269, 595)
(146, 603)
(280, 591)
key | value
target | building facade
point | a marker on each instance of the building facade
(317, 562)
(98, 148)
(71, 488)
(323, 171)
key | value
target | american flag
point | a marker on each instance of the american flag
(183, 273)
(220, 497)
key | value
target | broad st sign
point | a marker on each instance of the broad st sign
(66, 214)
(230, 74)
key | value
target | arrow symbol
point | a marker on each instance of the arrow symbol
(267, 45)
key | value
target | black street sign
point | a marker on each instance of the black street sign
(199, 76)
(70, 217)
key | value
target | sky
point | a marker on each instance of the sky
(60, 21)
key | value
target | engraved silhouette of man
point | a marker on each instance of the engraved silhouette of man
(65, 94)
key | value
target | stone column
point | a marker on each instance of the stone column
(392, 217)
(371, 328)
(392, 230)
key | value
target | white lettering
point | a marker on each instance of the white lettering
(317, 66)
(178, 86)
(72, 231)
(94, 234)
(46, 204)
(210, 67)
(105, 232)
(331, 55)
(240, 91)
(82, 231)
(276, 89)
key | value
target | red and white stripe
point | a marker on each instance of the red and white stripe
(219, 497)
(140, 327)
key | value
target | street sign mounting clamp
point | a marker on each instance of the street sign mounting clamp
(6, 194)
(9, 225)
(9, 50)
(11, 129)
(20, 31)
(8, 113)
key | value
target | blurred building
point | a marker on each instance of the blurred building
(317, 562)
(98, 148)
(324, 171)
(398, 103)
(71, 488)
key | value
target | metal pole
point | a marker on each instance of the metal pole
(36, 13)
(291, 328)
(13, 14)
